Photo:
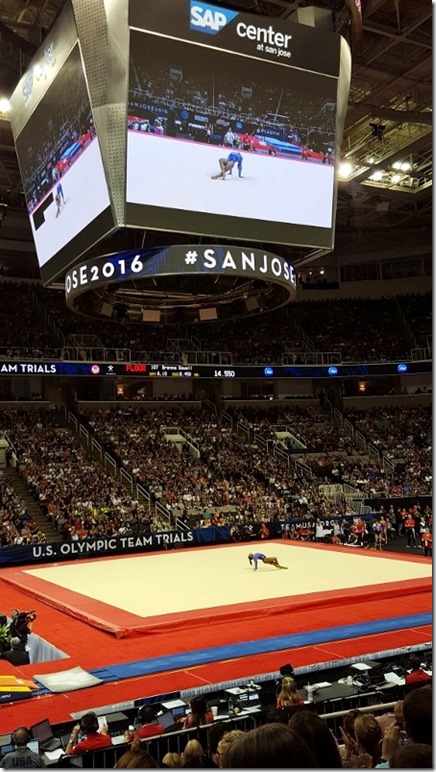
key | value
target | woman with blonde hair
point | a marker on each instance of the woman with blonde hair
(288, 695)
(172, 760)
(193, 755)
(226, 742)
(368, 737)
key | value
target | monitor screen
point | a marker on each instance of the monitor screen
(62, 170)
(204, 109)
(42, 731)
(33, 745)
(166, 719)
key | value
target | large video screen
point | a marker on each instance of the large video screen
(226, 144)
(62, 171)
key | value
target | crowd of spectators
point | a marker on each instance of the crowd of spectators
(359, 330)
(78, 496)
(232, 471)
(215, 474)
(30, 338)
(17, 527)
(418, 312)
(163, 94)
(291, 736)
(403, 436)
(362, 330)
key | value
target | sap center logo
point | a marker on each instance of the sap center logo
(208, 18)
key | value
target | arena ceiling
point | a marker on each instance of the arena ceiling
(385, 199)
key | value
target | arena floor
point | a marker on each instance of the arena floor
(189, 580)
(162, 622)
(143, 593)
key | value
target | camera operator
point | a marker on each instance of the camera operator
(21, 626)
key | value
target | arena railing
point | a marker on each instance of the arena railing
(303, 468)
(194, 446)
(312, 358)
(175, 742)
(299, 442)
(281, 455)
(360, 439)
(423, 354)
(210, 406)
(108, 462)
(226, 418)
(95, 354)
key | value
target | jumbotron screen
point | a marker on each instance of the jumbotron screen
(232, 124)
(62, 170)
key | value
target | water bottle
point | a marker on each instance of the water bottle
(310, 690)
(231, 706)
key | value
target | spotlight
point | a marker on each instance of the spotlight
(395, 178)
(377, 176)
(5, 105)
(406, 166)
(345, 169)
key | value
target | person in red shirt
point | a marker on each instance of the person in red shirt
(149, 726)
(288, 694)
(427, 542)
(417, 674)
(199, 715)
(409, 525)
(95, 738)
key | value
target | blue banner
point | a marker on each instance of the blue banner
(89, 548)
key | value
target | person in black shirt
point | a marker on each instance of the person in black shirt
(16, 656)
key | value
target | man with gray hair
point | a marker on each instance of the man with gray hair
(16, 656)
(22, 757)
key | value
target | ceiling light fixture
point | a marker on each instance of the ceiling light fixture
(345, 169)
(5, 105)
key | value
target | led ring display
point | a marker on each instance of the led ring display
(181, 283)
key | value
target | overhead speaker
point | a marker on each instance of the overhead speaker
(208, 314)
(106, 309)
(251, 304)
(151, 316)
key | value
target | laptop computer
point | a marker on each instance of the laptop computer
(33, 745)
(43, 732)
(166, 719)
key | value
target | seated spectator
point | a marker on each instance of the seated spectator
(268, 747)
(288, 694)
(215, 733)
(22, 757)
(315, 732)
(412, 756)
(418, 715)
(417, 675)
(137, 759)
(95, 738)
(16, 656)
(172, 761)
(149, 725)
(226, 742)
(199, 714)
(368, 736)
(193, 756)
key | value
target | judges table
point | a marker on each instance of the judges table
(342, 695)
